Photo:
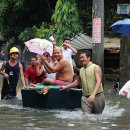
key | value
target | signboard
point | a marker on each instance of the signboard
(123, 8)
(96, 30)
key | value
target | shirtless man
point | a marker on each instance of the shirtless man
(63, 69)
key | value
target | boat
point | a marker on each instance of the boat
(53, 99)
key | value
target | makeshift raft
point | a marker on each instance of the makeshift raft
(53, 99)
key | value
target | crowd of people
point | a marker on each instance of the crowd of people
(57, 70)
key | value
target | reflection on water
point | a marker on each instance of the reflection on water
(115, 116)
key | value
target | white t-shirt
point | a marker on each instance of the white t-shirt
(68, 54)
(51, 75)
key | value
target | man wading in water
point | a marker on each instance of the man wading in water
(90, 77)
(10, 71)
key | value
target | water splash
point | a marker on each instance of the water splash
(69, 114)
(110, 111)
(14, 103)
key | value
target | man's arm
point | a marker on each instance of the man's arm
(26, 76)
(27, 81)
(98, 76)
(47, 70)
(39, 70)
(74, 84)
(53, 69)
(2, 71)
(73, 49)
(22, 75)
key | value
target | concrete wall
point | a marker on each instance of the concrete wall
(124, 60)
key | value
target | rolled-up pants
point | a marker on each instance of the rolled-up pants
(95, 107)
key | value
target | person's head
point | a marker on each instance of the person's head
(85, 57)
(14, 53)
(66, 40)
(47, 55)
(33, 61)
(76, 71)
(57, 53)
(52, 40)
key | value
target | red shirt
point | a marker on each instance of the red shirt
(30, 74)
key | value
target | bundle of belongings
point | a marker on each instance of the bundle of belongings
(43, 89)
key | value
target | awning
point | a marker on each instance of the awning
(81, 41)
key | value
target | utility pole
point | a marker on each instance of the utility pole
(98, 32)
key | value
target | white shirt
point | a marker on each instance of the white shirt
(68, 54)
(51, 75)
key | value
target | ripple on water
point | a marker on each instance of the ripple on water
(70, 124)
(104, 128)
(110, 111)
(11, 106)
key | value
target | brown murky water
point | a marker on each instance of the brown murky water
(115, 116)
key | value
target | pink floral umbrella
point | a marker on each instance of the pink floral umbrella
(39, 46)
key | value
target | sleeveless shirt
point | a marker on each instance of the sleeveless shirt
(88, 79)
(10, 88)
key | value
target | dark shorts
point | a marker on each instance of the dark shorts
(96, 107)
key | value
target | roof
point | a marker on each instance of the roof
(81, 41)
(111, 43)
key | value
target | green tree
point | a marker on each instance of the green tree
(66, 19)
(45, 30)
(10, 22)
(20, 18)
(27, 34)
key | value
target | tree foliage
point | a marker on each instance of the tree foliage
(27, 34)
(45, 30)
(20, 18)
(112, 16)
(86, 16)
(10, 13)
(66, 19)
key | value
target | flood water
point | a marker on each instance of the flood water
(115, 116)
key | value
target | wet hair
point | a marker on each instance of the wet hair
(87, 53)
(66, 38)
(33, 57)
(46, 54)
(76, 70)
